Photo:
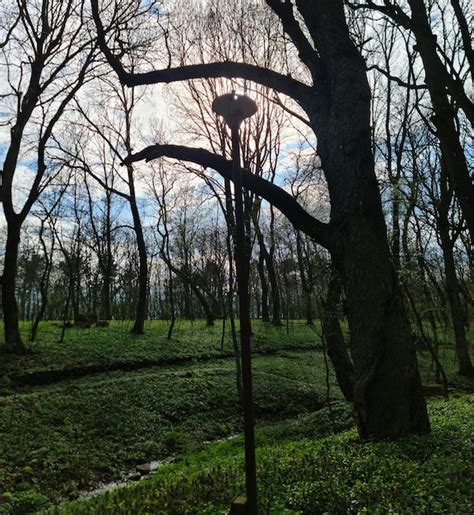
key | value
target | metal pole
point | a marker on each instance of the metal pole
(235, 108)
(242, 269)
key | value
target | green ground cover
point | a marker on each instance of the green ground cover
(62, 438)
(115, 344)
(298, 473)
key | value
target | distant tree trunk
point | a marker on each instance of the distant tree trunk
(305, 283)
(44, 282)
(452, 285)
(171, 303)
(105, 301)
(141, 307)
(332, 333)
(66, 311)
(190, 283)
(263, 282)
(272, 277)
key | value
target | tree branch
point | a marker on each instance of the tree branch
(393, 78)
(283, 83)
(275, 195)
(465, 34)
(391, 10)
(306, 52)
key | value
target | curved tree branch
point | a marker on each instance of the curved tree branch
(283, 83)
(275, 195)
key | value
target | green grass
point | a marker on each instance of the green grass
(116, 344)
(336, 474)
(60, 439)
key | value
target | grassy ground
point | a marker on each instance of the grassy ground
(298, 473)
(61, 438)
(115, 344)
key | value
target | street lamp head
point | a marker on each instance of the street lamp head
(234, 108)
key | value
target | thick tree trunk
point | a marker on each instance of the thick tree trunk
(388, 398)
(336, 346)
(13, 342)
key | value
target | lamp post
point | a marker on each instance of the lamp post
(234, 109)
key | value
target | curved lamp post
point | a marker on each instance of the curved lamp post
(234, 109)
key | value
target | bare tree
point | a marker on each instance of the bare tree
(46, 55)
(445, 78)
(387, 391)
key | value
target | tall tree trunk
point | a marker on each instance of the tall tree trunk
(388, 397)
(141, 307)
(13, 340)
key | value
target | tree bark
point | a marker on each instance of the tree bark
(141, 307)
(336, 346)
(13, 340)
(388, 398)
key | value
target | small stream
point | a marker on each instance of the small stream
(142, 471)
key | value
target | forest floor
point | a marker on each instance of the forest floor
(104, 404)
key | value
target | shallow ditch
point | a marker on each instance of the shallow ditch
(140, 472)
(50, 376)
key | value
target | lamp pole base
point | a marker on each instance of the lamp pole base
(239, 506)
